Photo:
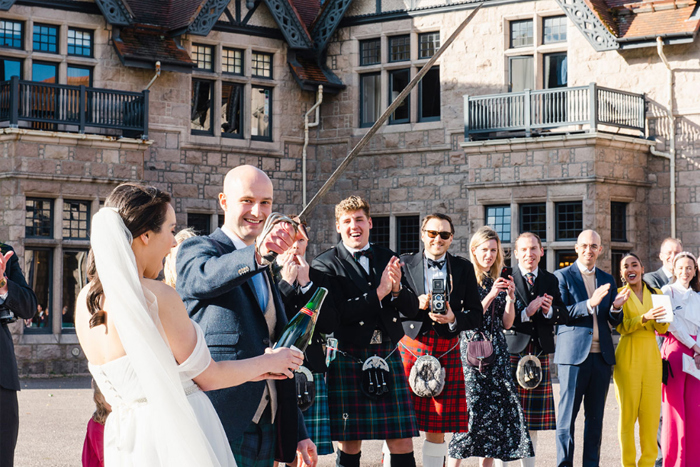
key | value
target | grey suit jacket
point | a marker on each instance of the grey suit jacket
(656, 279)
(212, 279)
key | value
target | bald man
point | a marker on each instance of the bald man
(228, 291)
(585, 353)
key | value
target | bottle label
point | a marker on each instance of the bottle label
(306, 311)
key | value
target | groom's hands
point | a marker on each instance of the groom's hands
(279, 240)
(280, 363)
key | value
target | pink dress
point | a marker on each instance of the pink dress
(93, 448)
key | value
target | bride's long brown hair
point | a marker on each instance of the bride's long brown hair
(142, 208)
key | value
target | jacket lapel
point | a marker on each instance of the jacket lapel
(521, 285)
(352, 269)
(577, 281)
(416, 273)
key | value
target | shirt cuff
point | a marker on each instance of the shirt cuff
(613, 310)
(306, 288)
(524, 317)
(591, 311)
(549, 314)
(3, 297)
(453, 325)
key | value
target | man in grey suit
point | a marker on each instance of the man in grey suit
(670, 247)
(233, 297)
(584, 352)
(17, 300)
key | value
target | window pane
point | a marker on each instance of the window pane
(399, 48)
(77, 76)
(569, 220)
(10, 68)
(76, 219)
(44, 72)
(380, 235)
(554, 29)
(202, 56)
(201, 105)
(11, 34)
(38, 218)
(37, 271)
(428, 44)
(231, 107)
(618, 222)
(533, 218)
(565, 258)
(201, 223)
(555, 71)
(521, 33)
(232, 61)
(45, 38)
(398, 80)
(498, 218)
(261, 112)
(522, 73)
(429, 92)
(370, 52)
(74, 279)
(262, 65)
(220, 220)
(79, 42)
(370, 98)
(407, 235)
(616, 257)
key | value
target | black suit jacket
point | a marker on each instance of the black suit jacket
(294, 300)
(656, 279)
(22, 302)
(464, 297)
(212, 279)
(539, 329)
(359, 311)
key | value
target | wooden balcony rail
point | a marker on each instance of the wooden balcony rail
(45, 106)
(533, 111)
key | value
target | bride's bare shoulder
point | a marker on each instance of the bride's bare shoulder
(163, 292)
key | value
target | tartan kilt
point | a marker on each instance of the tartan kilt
(538, 403)
(316, 417)
(446, 413)
(390, 417)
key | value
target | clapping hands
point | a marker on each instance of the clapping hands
(391, 279)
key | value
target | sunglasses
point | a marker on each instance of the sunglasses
(435, 233)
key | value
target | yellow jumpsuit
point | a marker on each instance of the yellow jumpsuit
(637, 377)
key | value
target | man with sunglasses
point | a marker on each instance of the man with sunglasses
(585, 353)
(436, 331)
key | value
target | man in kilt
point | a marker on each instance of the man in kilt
(437, 334)
(538, 308)
(370, 296)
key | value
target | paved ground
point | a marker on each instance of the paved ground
(54, 413)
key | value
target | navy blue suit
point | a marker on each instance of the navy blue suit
(583, 375)
(212, 279)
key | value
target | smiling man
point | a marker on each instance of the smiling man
(226, 289)
(370, 296)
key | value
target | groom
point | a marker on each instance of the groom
(237, 304)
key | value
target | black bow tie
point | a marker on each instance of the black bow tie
(435, 264)
(359, 254)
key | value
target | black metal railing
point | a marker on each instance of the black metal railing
(75, 108)
(533, 111)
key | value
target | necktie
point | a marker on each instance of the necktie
(530, 278)
(260, 288)
(435, 264)
(359, 254)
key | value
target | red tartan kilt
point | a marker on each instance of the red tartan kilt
(446, 413)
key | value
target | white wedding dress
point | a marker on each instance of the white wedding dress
(160, 417)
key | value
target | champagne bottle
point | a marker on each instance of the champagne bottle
(298, 332)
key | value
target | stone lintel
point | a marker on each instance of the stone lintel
(557, 141)
(69, 139)
(559, 181)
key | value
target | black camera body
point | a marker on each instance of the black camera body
(6, 316)
(438, 300)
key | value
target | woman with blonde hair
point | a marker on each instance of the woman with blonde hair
(497, 427)
(169, 269)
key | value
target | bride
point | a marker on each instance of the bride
(148, 358)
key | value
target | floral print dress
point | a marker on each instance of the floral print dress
(497, 427)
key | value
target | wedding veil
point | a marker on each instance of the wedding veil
(180, 439)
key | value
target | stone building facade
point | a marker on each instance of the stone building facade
(558, 181)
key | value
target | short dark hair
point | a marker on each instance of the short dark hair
(438, 215)
(528, 234)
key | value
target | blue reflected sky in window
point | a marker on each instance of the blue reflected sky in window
(44, 72)
(10, 68)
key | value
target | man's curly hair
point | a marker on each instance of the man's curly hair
(351, 204)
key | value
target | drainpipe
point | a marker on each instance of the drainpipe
(671, 154)
(155, 77)
(307, 125)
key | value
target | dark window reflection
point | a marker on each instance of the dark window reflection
(74, 279)
(37, 269)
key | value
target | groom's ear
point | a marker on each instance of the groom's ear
(223, 201)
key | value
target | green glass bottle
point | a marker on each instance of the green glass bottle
(298, 332)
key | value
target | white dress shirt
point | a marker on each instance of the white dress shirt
(686, 313)
(523, 314)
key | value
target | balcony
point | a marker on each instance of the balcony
(58, 107)
(589, 108)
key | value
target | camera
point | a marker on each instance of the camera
(6, 316)
(439, 296)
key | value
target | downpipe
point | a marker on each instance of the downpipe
(307, 125)
(671, 154)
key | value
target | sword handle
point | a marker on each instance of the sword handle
(272, 220)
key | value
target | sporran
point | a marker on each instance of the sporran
(529, 372)
(427, 377)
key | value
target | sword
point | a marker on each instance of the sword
(276, 218)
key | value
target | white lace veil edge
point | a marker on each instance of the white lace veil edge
(183, 441)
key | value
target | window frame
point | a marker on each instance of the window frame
(253, 67)
(48, 329)
(511, 35)
(623, 220)
(381, 227)
(270, 116)
(203, 217)
(403, 37)
(81, 67)
(68, 250)
(423, 35)
(241, 110)
(196, 54)
(223, 65)
(56, 28)
(210, 131)
(544, 29)
(437, 118)
(14, 59)
(399, 232)
(376, 74)
(495, 224)
(44, 62)
(521, 216)
(90, 32)
(21, 34)
(557, 221)
(392, 120)
(378, 49)
(51, 218)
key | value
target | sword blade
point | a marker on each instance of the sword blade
(383, 118)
